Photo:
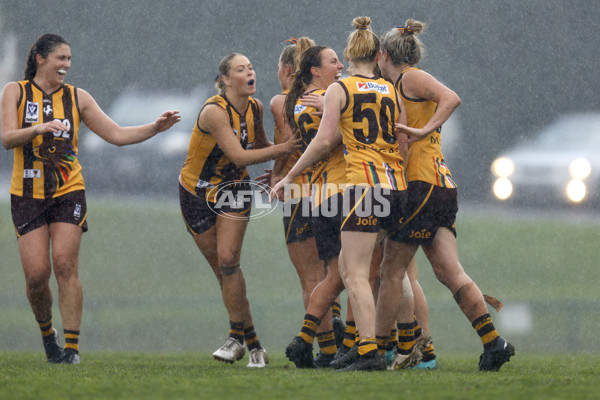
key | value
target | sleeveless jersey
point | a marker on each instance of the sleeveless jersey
(303, 179)
(206, 165)
(327, 176)
(30, 177)
(367, 127)
(425, 159)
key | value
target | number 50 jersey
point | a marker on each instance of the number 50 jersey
(367, 127)
(33, 175)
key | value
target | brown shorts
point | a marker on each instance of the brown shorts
(200, 215)
(326, 221)
(430, 207)
(29, 214)
(371, 209)
(297, 223)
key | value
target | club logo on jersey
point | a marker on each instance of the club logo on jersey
(32, 173)
(299, 108)
(372, 86)
(32, 112)
(48, 109)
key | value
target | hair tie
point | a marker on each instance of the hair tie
(217, 78)
(405, 30)
(362, 28)
(295, 73)
(290, 41)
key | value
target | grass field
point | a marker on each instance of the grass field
(197, 376)
(153, 313)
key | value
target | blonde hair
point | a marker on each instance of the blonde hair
(292, 54)
(224, 66)
(402, 43)
(363, 43)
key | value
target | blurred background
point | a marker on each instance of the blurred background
(519, 67)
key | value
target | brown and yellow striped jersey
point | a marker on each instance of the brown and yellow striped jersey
(206, 165)
(327, 176)
(425, 159)
(301, 180)
(367, 127)
(31, 177)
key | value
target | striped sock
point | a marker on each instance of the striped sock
(393, 339)
(406, 338)
(46, 328)
(72, 340)
(486, 331)
(382, 342)
(251, 338)
(367, 346)
(236, 331)
(326, 342)
(309, 328)
(350, 334)
(336, 309)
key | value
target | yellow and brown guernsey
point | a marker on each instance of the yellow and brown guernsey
(33, 175)
(367, 127)
(327, 176)
(206, 165)
(425, 159)
(303, 179)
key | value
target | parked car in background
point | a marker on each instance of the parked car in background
(560, 165)
(150, 167)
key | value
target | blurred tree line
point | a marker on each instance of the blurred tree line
(516, 65)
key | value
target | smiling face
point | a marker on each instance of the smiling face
(53, 68)
(241, 77)
(331, 68)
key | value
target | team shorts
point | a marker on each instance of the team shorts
(29, 214)
(297, 221)
(327, 221)
(430, 208)
(372, 209)
(200, 215)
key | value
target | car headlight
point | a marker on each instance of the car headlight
(580, 169)
(502, 188)
(576, 190)
(503, 167)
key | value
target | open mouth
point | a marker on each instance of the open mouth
(251, 82)
(62, 72)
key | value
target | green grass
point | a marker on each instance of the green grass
(197, 376)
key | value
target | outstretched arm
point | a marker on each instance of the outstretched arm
(107, 129)
(215, 120)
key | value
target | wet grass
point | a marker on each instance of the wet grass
(196, 376)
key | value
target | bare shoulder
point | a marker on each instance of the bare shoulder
(277, 101)
(11, 90)
(212, 115)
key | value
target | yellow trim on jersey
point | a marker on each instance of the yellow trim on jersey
(425, 159)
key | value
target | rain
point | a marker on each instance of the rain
(517, 67)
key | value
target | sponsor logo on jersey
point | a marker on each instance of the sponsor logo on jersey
(32, 173)
(299, 108)
(32, 112)
(372, 86)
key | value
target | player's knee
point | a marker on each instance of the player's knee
(228, 270)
